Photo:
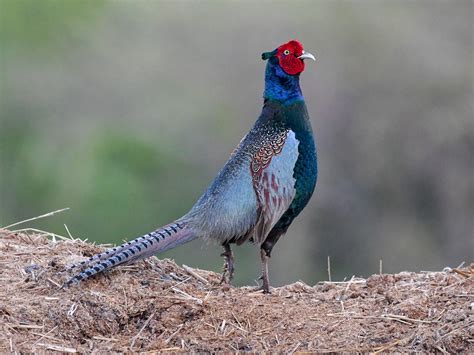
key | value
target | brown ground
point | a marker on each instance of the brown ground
(157, 305)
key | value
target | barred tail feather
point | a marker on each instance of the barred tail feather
(105, 255)
(160, 240)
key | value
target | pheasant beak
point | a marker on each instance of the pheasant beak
(307, 55)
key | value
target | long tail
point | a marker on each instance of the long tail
(160, 240)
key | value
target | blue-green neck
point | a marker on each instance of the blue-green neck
(281, 86)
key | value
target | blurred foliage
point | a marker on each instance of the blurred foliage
(124, 111)
(42, 25)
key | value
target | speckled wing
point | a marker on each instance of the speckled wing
(272, 170)
(228, 210)
(251, 192)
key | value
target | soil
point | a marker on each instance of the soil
(158, 305)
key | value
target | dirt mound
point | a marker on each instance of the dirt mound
(157, 305)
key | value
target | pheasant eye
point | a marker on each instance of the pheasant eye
(286, 52)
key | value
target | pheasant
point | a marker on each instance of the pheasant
(267, 181)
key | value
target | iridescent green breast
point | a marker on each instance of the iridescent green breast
(295, 117)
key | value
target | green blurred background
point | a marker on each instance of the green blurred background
(124, 111)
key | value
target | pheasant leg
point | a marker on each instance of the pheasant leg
(228, 269)
(265, 281)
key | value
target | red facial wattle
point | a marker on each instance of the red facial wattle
(288, 54)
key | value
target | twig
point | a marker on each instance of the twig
(58, 348)
(386, 347)
(141, 330)
(395, 317)
(44, 335)
(39, 231)
(456, 284)
(449, 333)
(53, 282)
(179, 283)
(329, 268)
(174, 333)
(295, 348)
(191, 272)
(441, 349)
(262, 331)
(25, 326)
(37, 217)
(240, 325)
(462, 273)
(340, 298)
(380, 266)
(67, 230)
(237, 327)
(188, 296)
(349, 284)
(343, 282)
(104, 338)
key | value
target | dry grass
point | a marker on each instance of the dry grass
(157, 305)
